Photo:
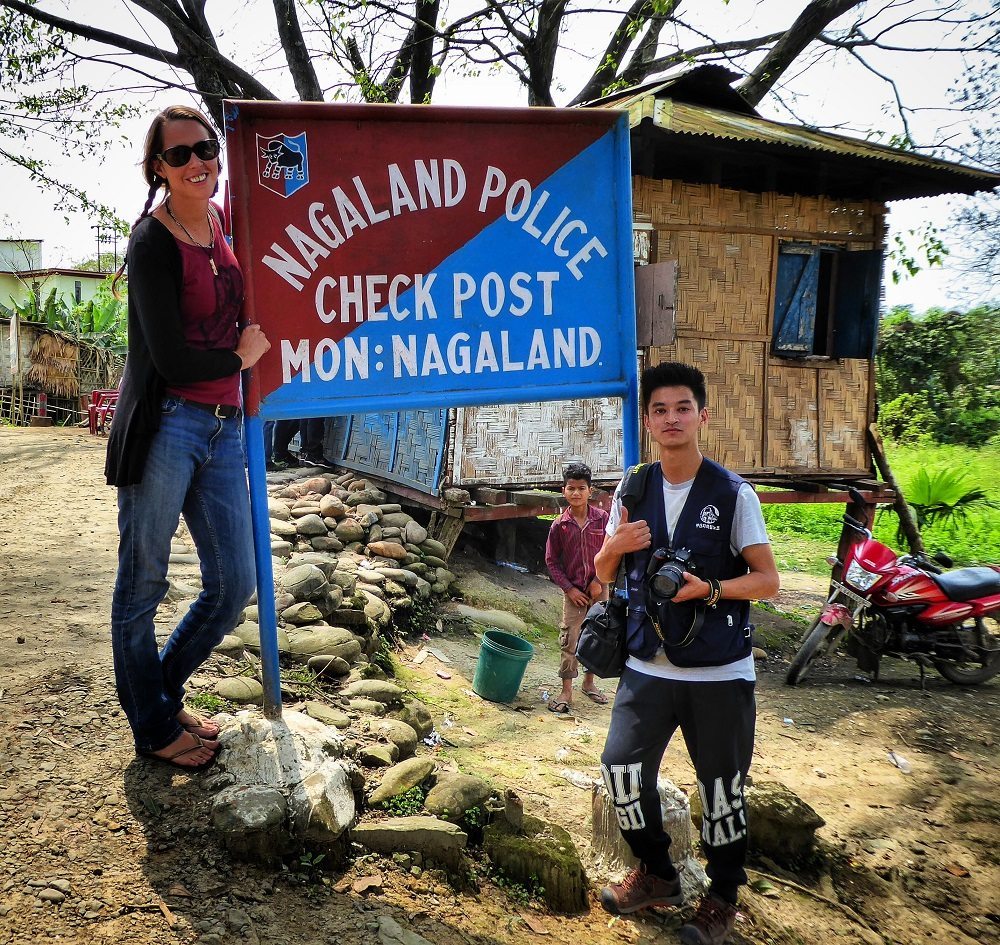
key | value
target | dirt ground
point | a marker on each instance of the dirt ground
(100, 847)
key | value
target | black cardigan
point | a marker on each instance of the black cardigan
(157, 352)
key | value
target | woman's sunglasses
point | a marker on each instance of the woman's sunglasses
(180, 154)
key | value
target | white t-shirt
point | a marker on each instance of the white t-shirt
(748, 529)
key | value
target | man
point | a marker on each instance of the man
(690, 663)
(311, 443)
(574, 538)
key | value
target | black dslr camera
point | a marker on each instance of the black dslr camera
(665, 574)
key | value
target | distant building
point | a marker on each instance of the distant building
(22, 270)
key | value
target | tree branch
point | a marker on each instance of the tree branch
(422, 69)
(809, 24)
(623, 37)
(296, 55)
(97, 35)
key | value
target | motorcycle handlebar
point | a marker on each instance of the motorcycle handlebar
(926, 562)
(855, 524)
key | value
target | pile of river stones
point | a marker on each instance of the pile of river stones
(326, 775)
(346, 561)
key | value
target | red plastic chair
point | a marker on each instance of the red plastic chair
(101, 409)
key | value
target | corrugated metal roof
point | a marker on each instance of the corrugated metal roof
(682, 118)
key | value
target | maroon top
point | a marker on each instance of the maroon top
(210, 309)
(570, 550)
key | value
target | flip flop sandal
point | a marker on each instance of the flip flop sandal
(201, 728)
(595, 695)
(559, 707)
(172, 759)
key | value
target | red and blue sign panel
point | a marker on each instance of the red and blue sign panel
(407, 256)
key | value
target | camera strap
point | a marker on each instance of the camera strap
(697, 621)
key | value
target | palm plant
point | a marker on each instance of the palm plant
(944, 496)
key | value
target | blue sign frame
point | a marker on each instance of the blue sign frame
(412, 257)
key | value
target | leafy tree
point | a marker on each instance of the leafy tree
(100, 321)
(106, 262)
(938, 374)
(979, 217)
(383, 51)
(908, 418)
(53, 311)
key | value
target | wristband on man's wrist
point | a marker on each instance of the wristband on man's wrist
(714, 592)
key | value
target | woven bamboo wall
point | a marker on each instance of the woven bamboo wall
(724, 280)
(768, 415)
(792, 440)
(734, 372)
(529, 444)
(671, 203)
(843, 420)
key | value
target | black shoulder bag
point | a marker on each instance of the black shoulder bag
(602, 648)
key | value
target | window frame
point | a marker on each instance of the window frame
(831, 304)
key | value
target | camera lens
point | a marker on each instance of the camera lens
(667, 581)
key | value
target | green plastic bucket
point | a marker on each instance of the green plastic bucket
(502, 661)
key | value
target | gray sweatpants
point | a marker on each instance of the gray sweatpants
(717, 721)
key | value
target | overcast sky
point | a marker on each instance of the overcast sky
(825, 96)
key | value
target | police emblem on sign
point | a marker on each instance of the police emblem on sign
(283, 163)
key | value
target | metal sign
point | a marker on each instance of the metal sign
(432, 257)
(409, 257)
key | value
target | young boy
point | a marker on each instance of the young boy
(574, 538)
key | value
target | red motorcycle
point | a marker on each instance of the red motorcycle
(907, 606)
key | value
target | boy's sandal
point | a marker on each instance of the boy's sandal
(559, 706)
(595, 695)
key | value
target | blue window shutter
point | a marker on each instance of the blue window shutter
(859, 281)
(795, 300)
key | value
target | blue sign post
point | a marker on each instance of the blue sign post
(407, 257)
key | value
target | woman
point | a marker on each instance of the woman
(176, 442)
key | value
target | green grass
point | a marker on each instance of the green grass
(208, 702)
(803, 535)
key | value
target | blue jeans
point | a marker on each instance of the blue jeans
(268, 440)
(194, 466)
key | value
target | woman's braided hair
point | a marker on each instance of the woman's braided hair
(150, 154)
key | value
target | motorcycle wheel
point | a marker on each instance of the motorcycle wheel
(974, 672)
(817, 641)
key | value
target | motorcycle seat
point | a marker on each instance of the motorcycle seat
(969, 583)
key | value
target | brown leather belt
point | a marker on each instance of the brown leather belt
(222, 411)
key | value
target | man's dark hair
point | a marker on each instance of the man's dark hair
(577, 471)
(672, 374)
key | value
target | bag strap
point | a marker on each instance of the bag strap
(634, 485)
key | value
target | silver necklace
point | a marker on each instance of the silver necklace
(210, 246)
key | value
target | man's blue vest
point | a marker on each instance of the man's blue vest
(704, 528)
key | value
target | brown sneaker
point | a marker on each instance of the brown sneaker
(711, 924)
(640, 890)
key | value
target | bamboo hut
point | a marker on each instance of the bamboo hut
(37, 360)
(758, 251)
